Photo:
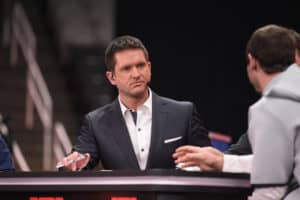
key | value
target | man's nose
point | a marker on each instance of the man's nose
(135, 72)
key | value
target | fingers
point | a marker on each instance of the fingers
(183, 150)
(177, 155)
(83, 162)
(75, 161)
(68, 162)
(187, 148)
(188, 158)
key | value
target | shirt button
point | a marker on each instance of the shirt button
(139, 129)
(142, 150)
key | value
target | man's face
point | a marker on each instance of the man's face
(131, 74)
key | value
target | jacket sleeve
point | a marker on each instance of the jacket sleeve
(198, 134)
(87, 143)
(242, 147)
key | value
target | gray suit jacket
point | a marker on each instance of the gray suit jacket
(105, 136)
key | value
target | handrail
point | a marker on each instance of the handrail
(37, 92)
(19, 156)
(62, 143)
(19, 19)
(37, 96)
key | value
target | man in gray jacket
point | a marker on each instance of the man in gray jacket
(274, 120)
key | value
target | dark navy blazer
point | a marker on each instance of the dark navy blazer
(105, 136)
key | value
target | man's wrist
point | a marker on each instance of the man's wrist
(220, 163)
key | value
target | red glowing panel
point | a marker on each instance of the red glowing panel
(46, 198)
(124, 198)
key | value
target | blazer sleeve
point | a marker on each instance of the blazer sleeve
(198, 134)
(87, 143)
(242, 147)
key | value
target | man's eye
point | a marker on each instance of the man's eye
(126, 68)
(141, 65)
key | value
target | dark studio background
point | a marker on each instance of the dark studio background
(197, 50)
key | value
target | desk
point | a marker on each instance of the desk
(123, 185)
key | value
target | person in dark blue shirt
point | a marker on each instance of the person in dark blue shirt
(6, 163)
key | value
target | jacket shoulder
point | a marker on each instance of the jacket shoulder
(174, 102)
(99, 112)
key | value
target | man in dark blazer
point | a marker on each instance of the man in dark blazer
(140, 129)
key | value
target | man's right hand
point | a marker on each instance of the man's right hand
(207, 158)
(74, 161)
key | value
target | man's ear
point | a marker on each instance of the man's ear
(110, 77)
(251, 60)
(149, 63)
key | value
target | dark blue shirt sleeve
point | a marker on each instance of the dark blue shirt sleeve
(6, 163)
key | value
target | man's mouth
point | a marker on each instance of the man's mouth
(137, 83)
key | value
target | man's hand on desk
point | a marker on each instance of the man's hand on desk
(207, 158)
(74, 162)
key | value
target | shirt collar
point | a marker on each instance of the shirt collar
(147, 104)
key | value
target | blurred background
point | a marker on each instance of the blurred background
(52, 69)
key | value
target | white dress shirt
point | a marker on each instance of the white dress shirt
(140, 133)
(237, 164)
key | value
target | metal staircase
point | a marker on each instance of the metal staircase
(36, 137)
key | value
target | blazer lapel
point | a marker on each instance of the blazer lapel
(159, 115)
(121, 135)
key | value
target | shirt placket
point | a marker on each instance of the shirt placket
(141, 137)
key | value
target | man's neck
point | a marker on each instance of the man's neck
(134, 102)
(266, 79)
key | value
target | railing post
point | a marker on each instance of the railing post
(29, 113)
(47, 158)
